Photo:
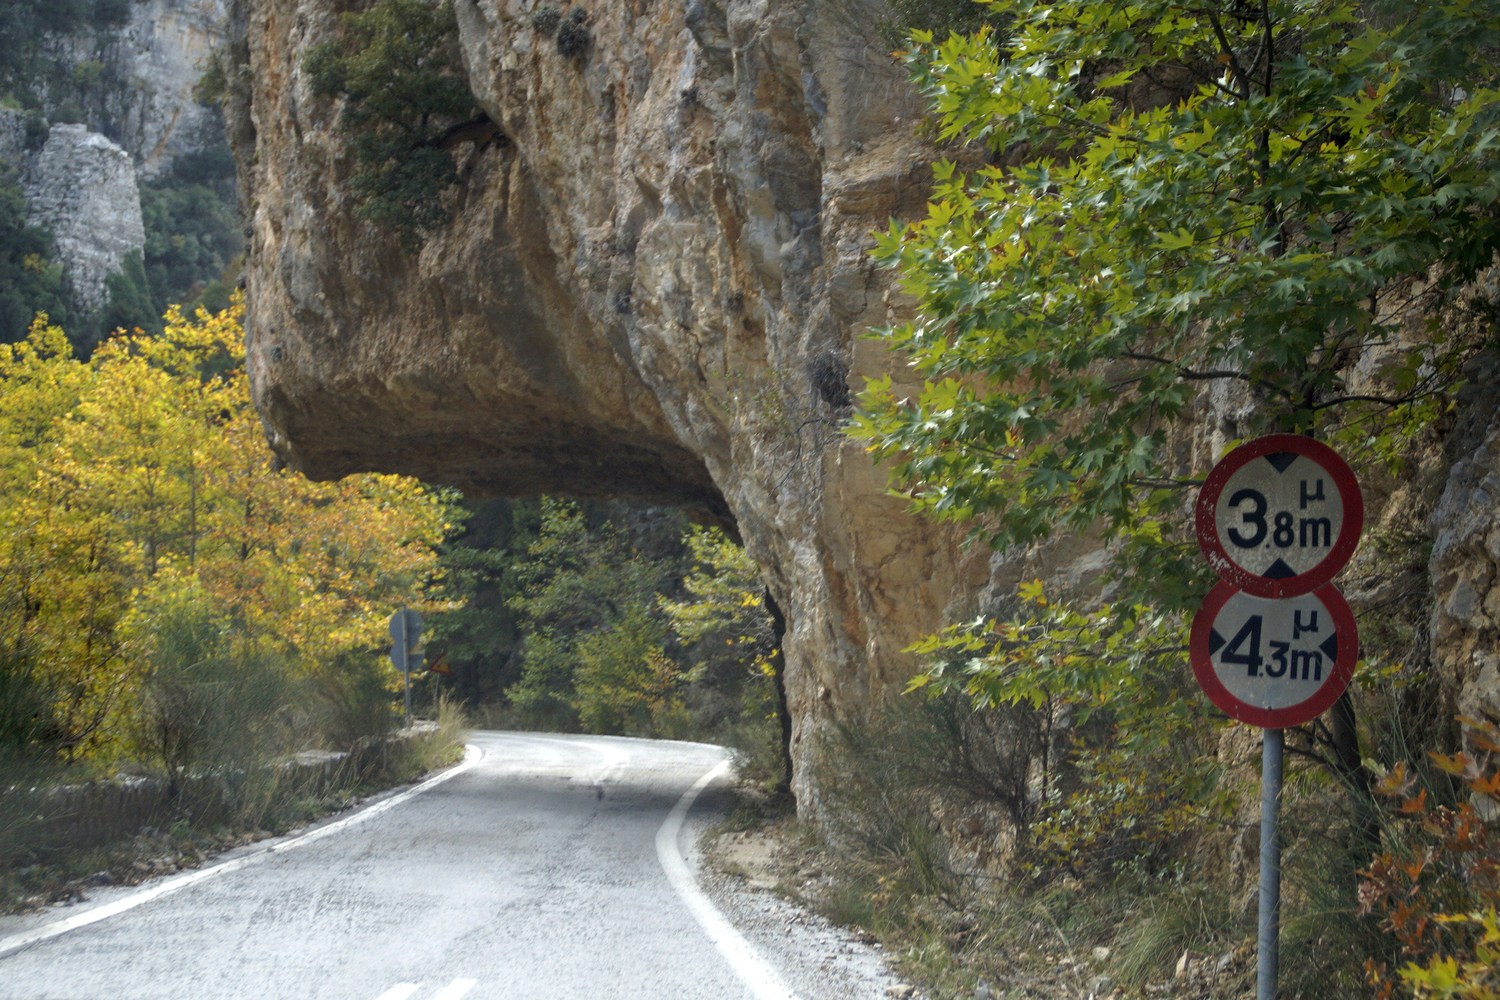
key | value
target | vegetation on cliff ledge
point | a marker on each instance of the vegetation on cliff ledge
(404, 98)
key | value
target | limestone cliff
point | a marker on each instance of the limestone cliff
(145, 72)
(121, 108)
(158, 59)
(653, 287)
(82, 188)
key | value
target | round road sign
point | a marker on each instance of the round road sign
(1273, 662)
(1280, 515)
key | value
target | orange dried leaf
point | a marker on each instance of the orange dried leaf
(1395, 782)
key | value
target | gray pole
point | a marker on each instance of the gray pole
(405, 643)
(1268, 945)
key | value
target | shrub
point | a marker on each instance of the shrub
(352, 700)
(1435, 885)
(211, 706)
(396, 67)
(625, 683)
(546, 19)
(573, 35)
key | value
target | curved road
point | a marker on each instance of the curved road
(543, 867)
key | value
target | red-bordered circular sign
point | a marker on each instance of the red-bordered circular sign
(1274, 662)
(1279, 515)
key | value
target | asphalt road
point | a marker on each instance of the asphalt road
(543, 867)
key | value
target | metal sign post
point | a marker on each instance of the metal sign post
(406, 632)
(1268, 928)
(1274, 644)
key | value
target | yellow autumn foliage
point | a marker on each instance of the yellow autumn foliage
(145, 467)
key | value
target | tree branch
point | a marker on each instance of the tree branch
(1192, 375)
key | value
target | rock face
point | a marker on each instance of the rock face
(651, 289)
(82, 188)
(12, 135)
(160, 57)
(149, 68)
(83, 183)
(1464, 565)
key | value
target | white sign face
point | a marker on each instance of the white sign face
(1279, 519)
(1273, 662)
(1280, 515)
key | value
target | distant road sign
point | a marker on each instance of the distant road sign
(406, 633)
(1273, 662)
(1279, 515)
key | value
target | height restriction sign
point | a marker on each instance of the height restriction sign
(1273, 662)
(1279, 515)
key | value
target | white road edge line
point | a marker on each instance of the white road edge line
(753, 970)
(399, 992)
(456, 990)
(11, 945)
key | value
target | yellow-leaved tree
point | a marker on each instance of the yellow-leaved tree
(151, 550)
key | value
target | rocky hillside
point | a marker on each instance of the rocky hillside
(651, 283)
(102, 113)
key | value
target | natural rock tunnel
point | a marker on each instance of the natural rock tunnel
(652, 290)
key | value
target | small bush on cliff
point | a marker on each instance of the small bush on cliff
(546, 19)
(573, 35)
(397, 69)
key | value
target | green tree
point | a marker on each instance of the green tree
(31, 281)
(129, 305)
(722, 624)
(586, 596)
(193, 236)
(476, 633)
(1159, 197)
(626, 683)
(726, 631)
(939, 17)
(1262, 225)
(396, 67)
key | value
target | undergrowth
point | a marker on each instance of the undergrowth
(1405, 907)
(193, 827)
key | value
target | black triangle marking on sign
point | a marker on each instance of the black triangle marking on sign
(1282, 460)
(1330, 647)
(1215, 641)
(1279, 570)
